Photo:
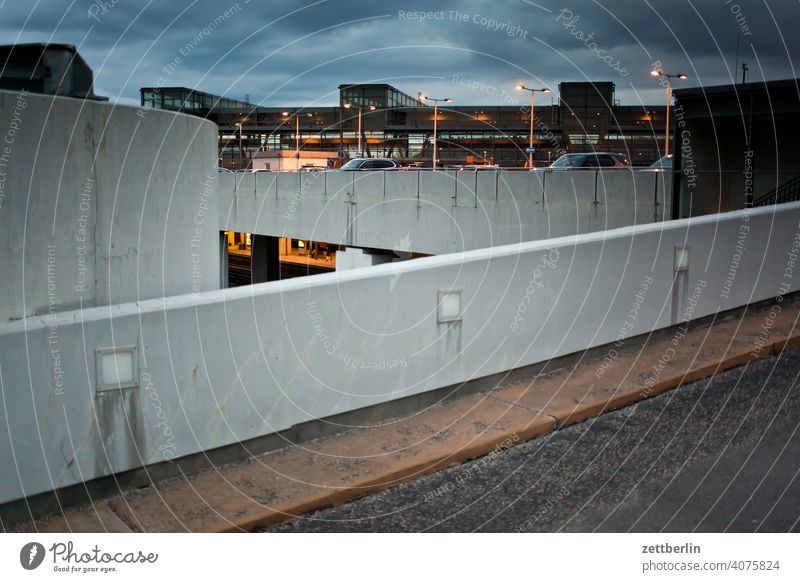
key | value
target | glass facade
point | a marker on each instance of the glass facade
(380, 96)
(189, 101)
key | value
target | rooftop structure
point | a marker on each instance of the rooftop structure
(52, 69)
(736, 146)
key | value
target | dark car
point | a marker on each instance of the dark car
(591, 160)
(359, 164)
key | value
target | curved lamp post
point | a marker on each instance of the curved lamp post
(296, 132)
(436, 102)
(530, 140)
(371, 108)
(239, 124)
(660, 73)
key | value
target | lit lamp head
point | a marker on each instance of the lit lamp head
(423, 97)
(661, 73)
(524, 88)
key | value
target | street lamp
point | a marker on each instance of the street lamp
(660, 73)
(371, 108)
(530, 141)
(436, 102)
(296, 132)
(240, 125)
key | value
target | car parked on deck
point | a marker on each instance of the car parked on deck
(591, 160)
(361, 164)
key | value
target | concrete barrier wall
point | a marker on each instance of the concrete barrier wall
(229, 365)
(441, 212)
(103, 204)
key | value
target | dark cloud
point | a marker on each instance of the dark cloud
(286, 52)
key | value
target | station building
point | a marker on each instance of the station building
(583, 116)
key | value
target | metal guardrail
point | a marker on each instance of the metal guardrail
(466, 170)
(788, 192)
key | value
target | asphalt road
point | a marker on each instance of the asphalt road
(717, 455)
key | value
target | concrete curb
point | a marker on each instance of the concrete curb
(544, 425)
(275, 516)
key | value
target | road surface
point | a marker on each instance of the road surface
(718, 455)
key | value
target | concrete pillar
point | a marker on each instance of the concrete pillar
(265, 259)
(223, 260)
(354, 258)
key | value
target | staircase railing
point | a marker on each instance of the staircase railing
(788, 192)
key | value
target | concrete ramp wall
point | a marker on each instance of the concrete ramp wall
(444, 211)
(103, 204)
(229, 365)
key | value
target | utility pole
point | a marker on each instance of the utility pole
(744, 73)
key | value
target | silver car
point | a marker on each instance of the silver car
(663, 163)
(359, 164)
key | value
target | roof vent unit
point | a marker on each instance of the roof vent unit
(51, 69)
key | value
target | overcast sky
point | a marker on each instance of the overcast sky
(283, 52)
